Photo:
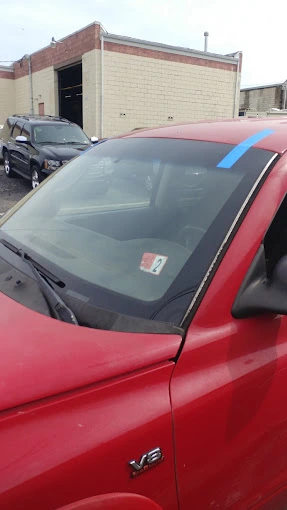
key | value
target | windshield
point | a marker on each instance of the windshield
(59, 134)
(132, 225)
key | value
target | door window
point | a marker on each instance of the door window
(17, 130)
(7, 129)
(26, 131)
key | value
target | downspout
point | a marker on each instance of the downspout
(31, 85)
(206, 34)
(102, 85)
(235, 113)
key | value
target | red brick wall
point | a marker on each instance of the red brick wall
(72, 47)
(172, 57)
(41, 108)
(6, 75)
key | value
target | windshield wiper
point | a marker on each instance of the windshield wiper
(76, 143)
(59, 309)
(49, 142)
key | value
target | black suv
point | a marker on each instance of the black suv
(34, 146)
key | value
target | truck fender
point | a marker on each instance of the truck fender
(114, 501)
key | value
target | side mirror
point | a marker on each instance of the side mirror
(21, 139)
(259, 294)
(94, 139)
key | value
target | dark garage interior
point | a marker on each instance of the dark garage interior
(71, 93)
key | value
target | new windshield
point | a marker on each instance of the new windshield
(59, 133)
(132, 225)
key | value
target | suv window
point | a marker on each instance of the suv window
(26, 131)
(60, 133)
(17, 129)
(7, 128)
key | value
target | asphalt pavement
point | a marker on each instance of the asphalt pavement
(11, 190)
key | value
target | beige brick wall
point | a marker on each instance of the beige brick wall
(22, 103)
(149, 90)
(7, 99)
(44, 91)
(91, 92)
(261, 99)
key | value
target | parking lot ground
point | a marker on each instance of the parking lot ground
(11, 191)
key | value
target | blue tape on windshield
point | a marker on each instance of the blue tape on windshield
(238, 151)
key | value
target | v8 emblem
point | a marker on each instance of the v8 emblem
(147, 460)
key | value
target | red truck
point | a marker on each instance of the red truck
(143, 352)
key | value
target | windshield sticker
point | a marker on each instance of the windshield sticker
(238, 151)
(153, 263)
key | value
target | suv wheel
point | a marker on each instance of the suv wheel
(36, 177)
(7, 166)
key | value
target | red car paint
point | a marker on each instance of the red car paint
(78, 404)
(51, 357)
(230, 131)
(112, 502)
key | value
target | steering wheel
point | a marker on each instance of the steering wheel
(189, 236)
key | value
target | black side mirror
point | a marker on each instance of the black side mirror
(259, 294)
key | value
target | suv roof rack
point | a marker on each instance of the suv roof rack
(35, 116)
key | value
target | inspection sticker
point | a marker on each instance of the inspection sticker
(153, 263)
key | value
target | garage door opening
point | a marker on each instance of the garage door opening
(71, 94)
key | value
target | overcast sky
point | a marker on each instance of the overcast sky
(248, 26)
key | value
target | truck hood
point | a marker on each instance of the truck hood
(62, 152)
(42, 357)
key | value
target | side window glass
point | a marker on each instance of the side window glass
(275, 240)
(8, 126)
(187, 186)
(138, 176)
(193, 183)
(17, 130)
(26, 131)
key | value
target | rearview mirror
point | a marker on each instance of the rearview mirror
(94, 139)
(21, 139)
(259, 294)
